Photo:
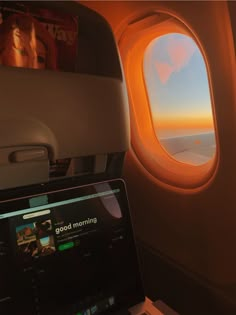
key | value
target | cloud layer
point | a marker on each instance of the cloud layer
(179, 51)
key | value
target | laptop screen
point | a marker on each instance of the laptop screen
(68, 252)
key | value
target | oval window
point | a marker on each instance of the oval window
(180, 104)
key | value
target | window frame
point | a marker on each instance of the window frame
(144, 143)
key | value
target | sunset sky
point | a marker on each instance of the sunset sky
(177, 86)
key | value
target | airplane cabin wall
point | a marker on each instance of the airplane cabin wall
(194, 228)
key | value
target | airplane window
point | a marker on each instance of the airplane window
(178, 92)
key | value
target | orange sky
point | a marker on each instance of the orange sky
(184, 123)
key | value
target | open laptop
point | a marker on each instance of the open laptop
(70, 252)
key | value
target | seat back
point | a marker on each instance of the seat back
(56, 124)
